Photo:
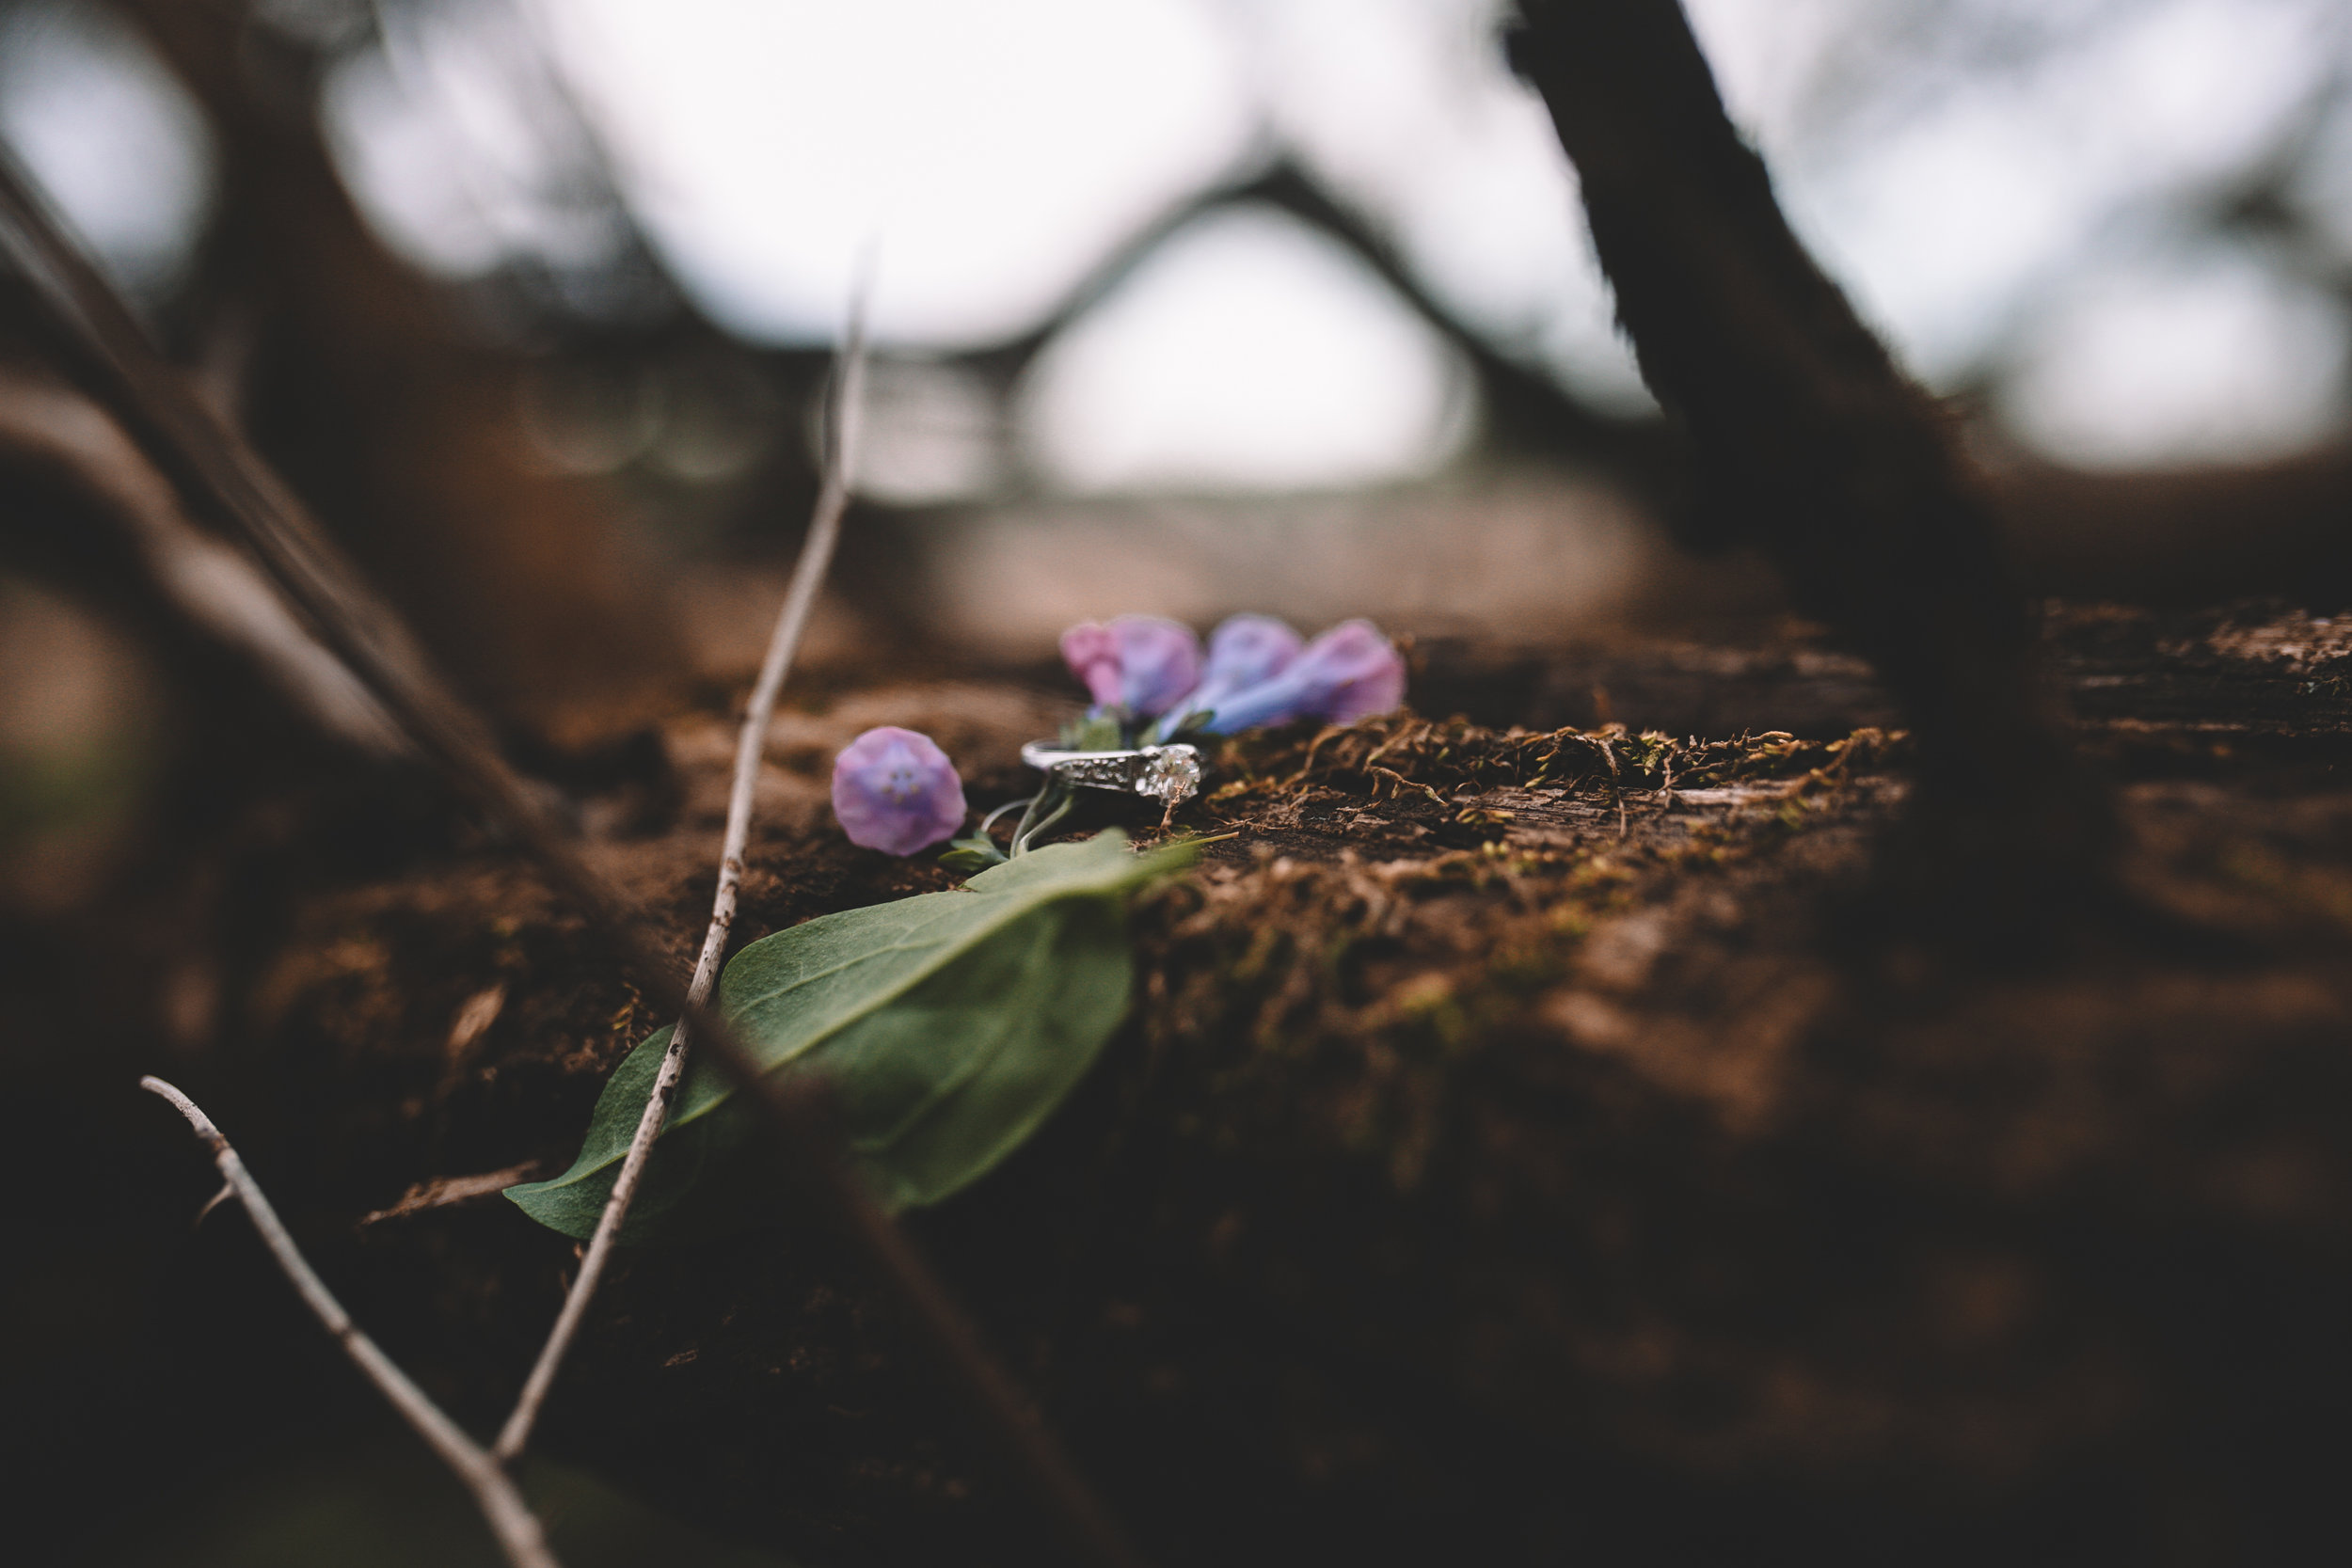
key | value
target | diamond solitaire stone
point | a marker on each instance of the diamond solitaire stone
(1171, 773)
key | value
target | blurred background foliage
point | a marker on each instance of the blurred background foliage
(2120, 224)
(2118, 228)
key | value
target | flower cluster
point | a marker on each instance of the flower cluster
(1258, 672)
(895, 790)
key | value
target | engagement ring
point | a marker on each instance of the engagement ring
(1169, 774)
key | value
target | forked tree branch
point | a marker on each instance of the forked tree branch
(1840, 466)
(518, 1532)
(809, 574)
(226, 481)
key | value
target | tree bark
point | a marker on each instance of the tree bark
(1814, 444)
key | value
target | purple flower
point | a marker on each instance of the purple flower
(1349, 673)
(1244, 652)
(1141, 663)
(893, 790)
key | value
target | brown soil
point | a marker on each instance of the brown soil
(1531, 1143)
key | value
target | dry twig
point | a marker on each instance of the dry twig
(228, 483)
(510, 1518)
(445, 1192)
(808, 573)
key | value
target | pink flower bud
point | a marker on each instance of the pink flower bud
(1141, 663)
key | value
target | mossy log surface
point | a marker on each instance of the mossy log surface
(1529, 1143)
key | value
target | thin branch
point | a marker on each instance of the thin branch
(809, 574)
(228, 483)
(510, 1518)
(1526, 405)
(50, 429)
(444, 1192)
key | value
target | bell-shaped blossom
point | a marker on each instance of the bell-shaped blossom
(1349, 673)
(1140, 663)
(895, 791)
(1245, 651)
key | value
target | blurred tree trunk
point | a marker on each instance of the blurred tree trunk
(1836, 464)
(401, 431)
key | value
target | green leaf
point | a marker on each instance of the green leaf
(976, 853)
(1193, 722)
(948, 1025)
(1096, 732)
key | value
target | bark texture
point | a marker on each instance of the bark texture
(1816, 447)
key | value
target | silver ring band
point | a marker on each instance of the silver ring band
(1169, 774)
